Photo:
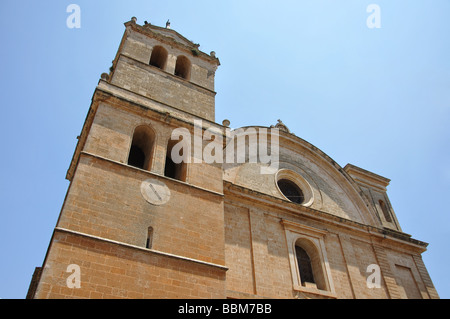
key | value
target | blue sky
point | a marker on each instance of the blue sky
(375, 98)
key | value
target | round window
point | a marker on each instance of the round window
(291, 191)
(294, 187)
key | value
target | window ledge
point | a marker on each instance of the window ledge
(149, 172)
(315, 291)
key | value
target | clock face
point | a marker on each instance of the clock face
(155, 192)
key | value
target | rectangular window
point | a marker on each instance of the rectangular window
(149, 242)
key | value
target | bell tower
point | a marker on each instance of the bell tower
(161, 64)
(135, 223)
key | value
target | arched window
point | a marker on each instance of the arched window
(136, 157)
(141, 149)
(159, 57)
(174, 168)
(304, 266)
(385, 211)
(309, 264)
(183, 67)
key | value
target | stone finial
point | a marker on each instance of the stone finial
(213, 54)
(134, 19)
(281, 126)
(226, 123)
(105, 76)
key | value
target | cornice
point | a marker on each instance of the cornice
(152, 31)
(366, 177)
(268, 202)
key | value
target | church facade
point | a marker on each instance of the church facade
(164, 202)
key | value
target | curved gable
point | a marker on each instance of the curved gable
(332, 190)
